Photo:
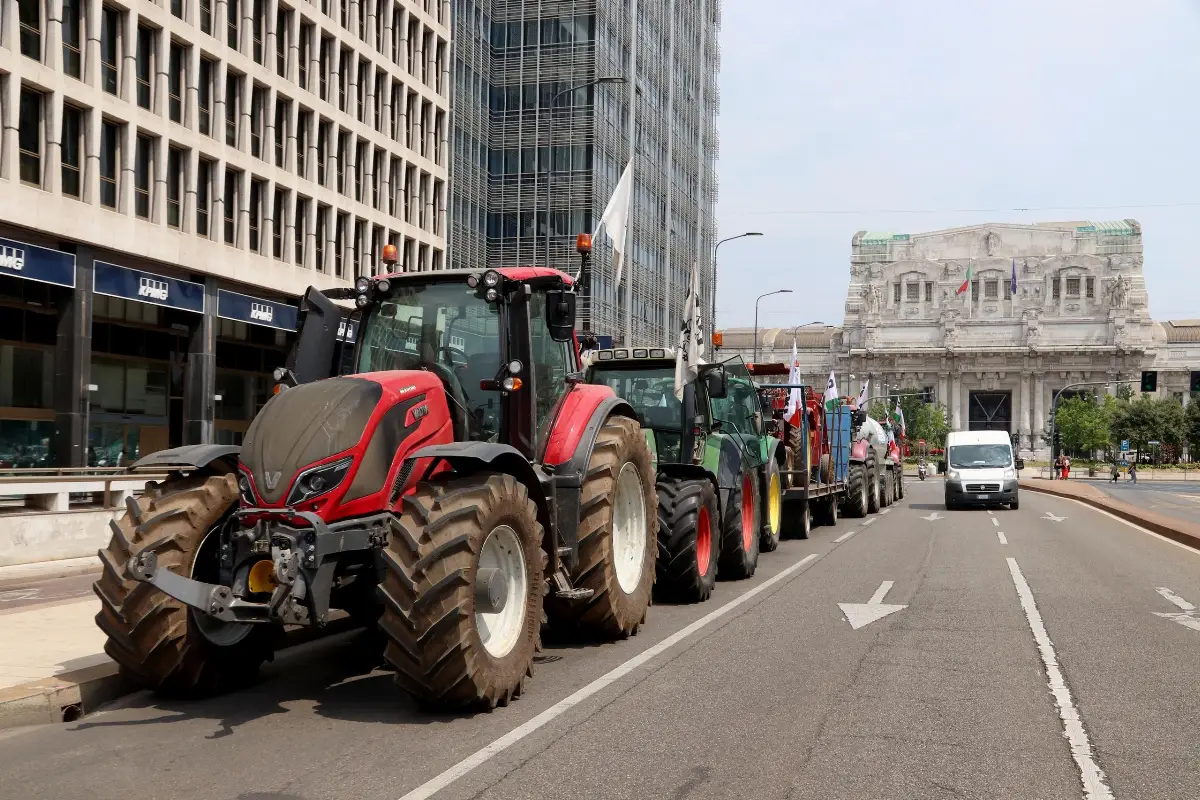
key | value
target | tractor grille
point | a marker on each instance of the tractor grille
(983, 487)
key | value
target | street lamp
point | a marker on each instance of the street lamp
(804, 325)
(760, 297)
(550, 143)
(716, 247)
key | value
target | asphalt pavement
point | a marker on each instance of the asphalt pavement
(40, 591)
(1042, 653)
(1179, 499)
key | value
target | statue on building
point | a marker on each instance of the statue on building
(1118, 292)
(1032, 325)
(991, 243)
(873, 298)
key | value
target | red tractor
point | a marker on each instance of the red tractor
(458, 488)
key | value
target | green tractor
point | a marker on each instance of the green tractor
(704, 469)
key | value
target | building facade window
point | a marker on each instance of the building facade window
(258, 102)
(204, 176)
(206, 16)
(1055, 288)
(928, 291)
(913, 291)
(176, 82)
(233, 95)
(175, 181)
(278, 206)
(110, 137)
(306, 31)
(29, 137)
(144, 65)
(232, 179)
(72, 151)
(177, 8)
(259, 28)
(143, 160)
(301, 228)
(233, 17)
(29, 12)
(283, 33)
(283, 113)
(204, 95)
(896, 293)
(110, 31)
(256, 193)
(1091, 288)
(72, 37)
(303, 120)
(1072, 287)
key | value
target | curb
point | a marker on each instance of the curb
(71, 695)
(1176, 530)
(15, 574)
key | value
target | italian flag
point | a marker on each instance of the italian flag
(966, 284)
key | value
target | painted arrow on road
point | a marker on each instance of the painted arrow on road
(1050, 516)
(934, 517)
(860, 615)
(1186, 616)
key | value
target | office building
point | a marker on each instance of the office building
(173, 175)
(518, 126)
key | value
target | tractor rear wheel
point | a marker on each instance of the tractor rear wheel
(772, 523)
(687, 539)
(873, 488)
(462, 591)
(857, 491)
(618, 535)
(157, 641)
(739, 528)
(797, 519)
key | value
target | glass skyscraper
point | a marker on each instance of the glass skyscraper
(517, 125)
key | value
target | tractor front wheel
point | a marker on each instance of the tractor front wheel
(462, 591)
(874, 491)
(687, 539)
(157, 641)
(772, 523)
(739, 529)
(618, 535)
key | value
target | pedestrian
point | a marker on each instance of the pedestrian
(1133, 472)
(1056, 473)
(1116, 472)
(1066, 467)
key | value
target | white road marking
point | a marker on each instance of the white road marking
(1126, 522)
(862, 614)
(844, 537)
(996, 522)
(1050, 515)
(867, 522)
(1094, 781)
(1000, 536)
(885, 511)
(990, 514)
(933, 517)
(1184, 605)
(482, 756)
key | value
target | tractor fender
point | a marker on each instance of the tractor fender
(691, 472)
(729, 467)
(859, 450)
(776, 452)
(569, 451)
(469, 458)
(219, 457)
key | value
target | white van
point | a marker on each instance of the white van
(980, 469)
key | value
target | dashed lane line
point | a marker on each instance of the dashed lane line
(1000, 536)
(996, 522)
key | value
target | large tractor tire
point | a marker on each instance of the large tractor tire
(772, 508)
(739, 528)
(156, 641)
(455, 545)
(688, 533)
(618, 537)
(874, 490)
(797, 447)
(857, 491)
(900, 481)
(886, 490)
(797, 520)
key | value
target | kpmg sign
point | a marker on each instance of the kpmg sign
(148, 287)
(33, 263)
(256, 311)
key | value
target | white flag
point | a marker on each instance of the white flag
(616, 217)
(831, 392)
(691, 338)
(795, 396)
(862, 395)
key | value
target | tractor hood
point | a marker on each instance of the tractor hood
(305, 424)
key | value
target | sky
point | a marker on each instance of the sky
(961, 111)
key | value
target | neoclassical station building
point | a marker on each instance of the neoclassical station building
(992, 355)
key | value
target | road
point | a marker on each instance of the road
(1180, 499)
(37, 591)
(766, 691)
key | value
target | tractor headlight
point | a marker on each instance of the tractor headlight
(246, 490)
(492, 296)
(491, 278)
(318, 481)
(383, 286)
(362, 285)
(362, 301)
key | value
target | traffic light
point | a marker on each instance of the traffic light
(1195, 382)
(1057, 440)
(1150, 382)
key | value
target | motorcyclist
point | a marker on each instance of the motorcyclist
(921, 468)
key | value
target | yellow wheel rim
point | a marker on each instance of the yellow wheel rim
(774, 503)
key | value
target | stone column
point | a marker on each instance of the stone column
(72, 366)
(289, 228)
(202, 371)
(1024, 418)
(943, 391)
(956, 401)
(1039, 409)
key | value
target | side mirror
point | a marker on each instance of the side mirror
(715, 383)
(1019, 464)
(312, 360)
(560, 315)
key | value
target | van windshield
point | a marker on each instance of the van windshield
(980, 456)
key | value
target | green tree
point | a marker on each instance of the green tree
(929, 423)
(1193, 428)
(1149, 419)
(1084, 424)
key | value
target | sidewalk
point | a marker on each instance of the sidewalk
(49, 640)
(1178, 530)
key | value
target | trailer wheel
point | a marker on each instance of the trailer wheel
(797, 449)
(857, 491)
(772, 522)
(456, 545)
(797, 519)
(873, 488)
(158, 642)
(618, 536)
(688, 534)
(739, 529)
(900, 481)
(825, 511)
(885, 493)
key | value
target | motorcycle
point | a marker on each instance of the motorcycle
(921, 470)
